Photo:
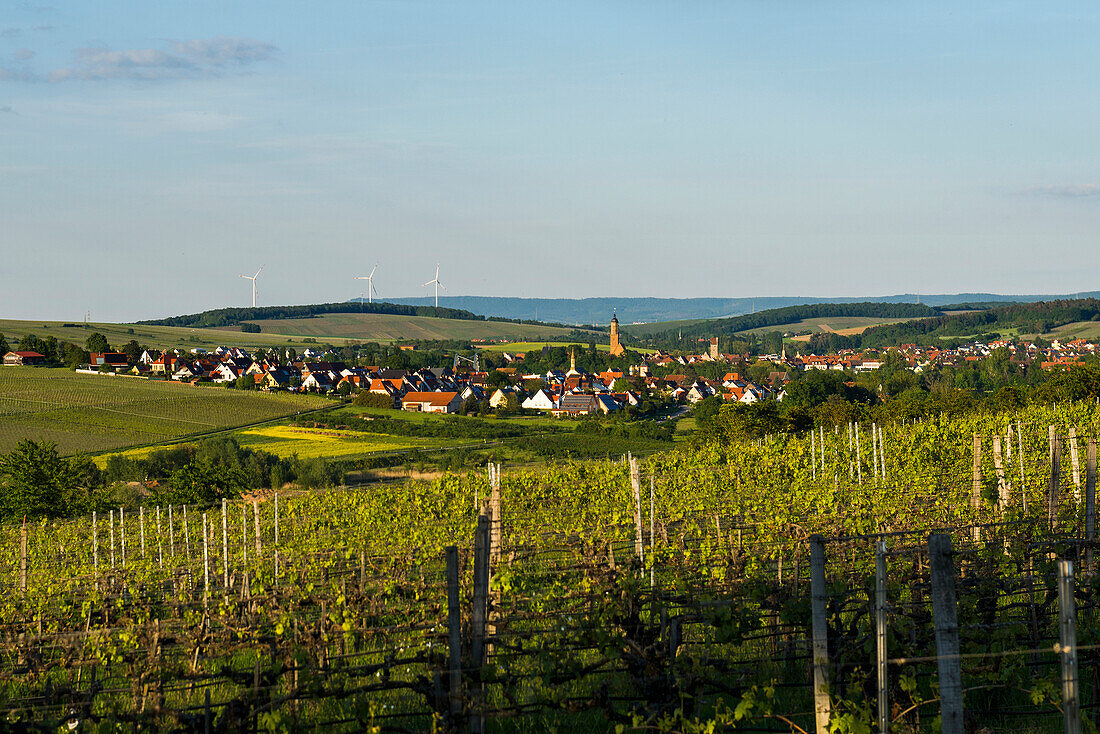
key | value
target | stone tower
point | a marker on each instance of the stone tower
(616, 347)
(714, 348)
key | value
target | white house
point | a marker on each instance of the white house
(539, 401)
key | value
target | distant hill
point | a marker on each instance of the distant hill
(636, 310)
(779, 317)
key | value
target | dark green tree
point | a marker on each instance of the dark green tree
(36, 481)
(97, 343)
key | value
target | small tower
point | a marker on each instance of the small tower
(572, 362)
(714, 348)
(616, 347)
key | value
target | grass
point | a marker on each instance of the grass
(845, 325)
(95, 413)
(336, 329)
(530, 346)
(389, 328)
(657, 327)
(308, 443)
(157, 337)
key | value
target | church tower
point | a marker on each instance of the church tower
(616, 347)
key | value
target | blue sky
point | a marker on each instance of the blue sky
(152, 152)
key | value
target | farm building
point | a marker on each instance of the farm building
(12, 359)
(431, 402)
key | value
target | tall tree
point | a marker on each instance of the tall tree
(36, 481)
(97, 343)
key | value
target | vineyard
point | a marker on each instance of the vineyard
(902, 572)
(96, 413)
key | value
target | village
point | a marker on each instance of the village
(669, 377)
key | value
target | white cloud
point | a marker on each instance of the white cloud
(23, 54)
(186, 59)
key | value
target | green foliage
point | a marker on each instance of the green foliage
(203, 482)
(36, 481)
(97, 343)
(367, 399)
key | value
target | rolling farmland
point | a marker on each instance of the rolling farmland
(93, 413)
(385, 327)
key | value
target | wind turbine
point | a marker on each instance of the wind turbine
(370, 284)
(438, 285)
(253, 279)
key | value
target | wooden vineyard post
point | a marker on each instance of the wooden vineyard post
(225, 546)
(635, 485)
(478, 613)
(976, 485)
(122, 533)
(1090, 499)
(882, 453)
(111, 523)
(822, 705)
(944, 614)
(141, 525)
(205, 564)
(1067, 648)
(813, 455)
(276, 519)
(244, 536)
(652, 527)
(1002, 485)
(859, 458)
(160, 540)
(880, 636)
(256, 527)
(874, 452)
(23, 558)
(95, 545)
(186, 534)
(1075, 465)
(1053, 488)
(171, 535)
(454, 636)
(496, 525)
(1020, 459)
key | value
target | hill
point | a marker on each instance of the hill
(821, 317)
(637, 310)
(385, 327)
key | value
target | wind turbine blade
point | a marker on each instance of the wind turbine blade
(443, 286)
(372, 270)
(257, 275)
(427, 284)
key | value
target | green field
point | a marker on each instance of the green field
(336, 329)
(656, 327)
(528, 346)
(846, 325)
(386, 327)
(157, 337)
(97, 413)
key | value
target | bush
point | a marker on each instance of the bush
(367, 399)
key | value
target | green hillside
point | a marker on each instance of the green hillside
(384, 327)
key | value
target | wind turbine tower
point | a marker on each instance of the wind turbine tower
(253, 279)
(370, 284)
(438, 285)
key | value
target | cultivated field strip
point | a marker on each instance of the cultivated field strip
(94, 413)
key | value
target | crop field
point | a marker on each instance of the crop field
(701, 590)
(307, 443)
(844, 325)
(387, 327)
(157, 337)
(528, 346)
(93, 413)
